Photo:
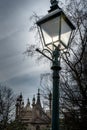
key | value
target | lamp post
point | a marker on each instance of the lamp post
(55, 31)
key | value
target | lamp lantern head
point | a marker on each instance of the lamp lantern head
(55, 29)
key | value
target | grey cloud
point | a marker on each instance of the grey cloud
(19, 73)
(27, 84)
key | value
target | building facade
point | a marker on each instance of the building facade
(34, 117)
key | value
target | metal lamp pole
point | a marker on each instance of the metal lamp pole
(55, 107)
(55, 30)
(55, 103)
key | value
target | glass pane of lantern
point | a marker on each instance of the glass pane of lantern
(50, 30)
(50, 46)
(65, 32)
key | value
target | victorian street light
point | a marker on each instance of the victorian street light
(55, 31)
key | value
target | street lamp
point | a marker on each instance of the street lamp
(55, 31)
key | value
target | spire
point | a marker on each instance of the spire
(22, 104)
(19, 105)
(28, 102)
(27, 107)
(20, 97)
(33, 101)
(38, 98)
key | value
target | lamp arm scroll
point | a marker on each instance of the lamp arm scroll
(43, 54)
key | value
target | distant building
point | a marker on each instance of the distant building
(34, 117)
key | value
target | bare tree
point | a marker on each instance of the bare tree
(46, 89)
(74, 88)
(7, 105)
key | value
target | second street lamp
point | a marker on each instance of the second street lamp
(55, 30)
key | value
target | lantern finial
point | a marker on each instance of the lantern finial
(53, 2)
(54, 5)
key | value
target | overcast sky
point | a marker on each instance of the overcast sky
(17, 71)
